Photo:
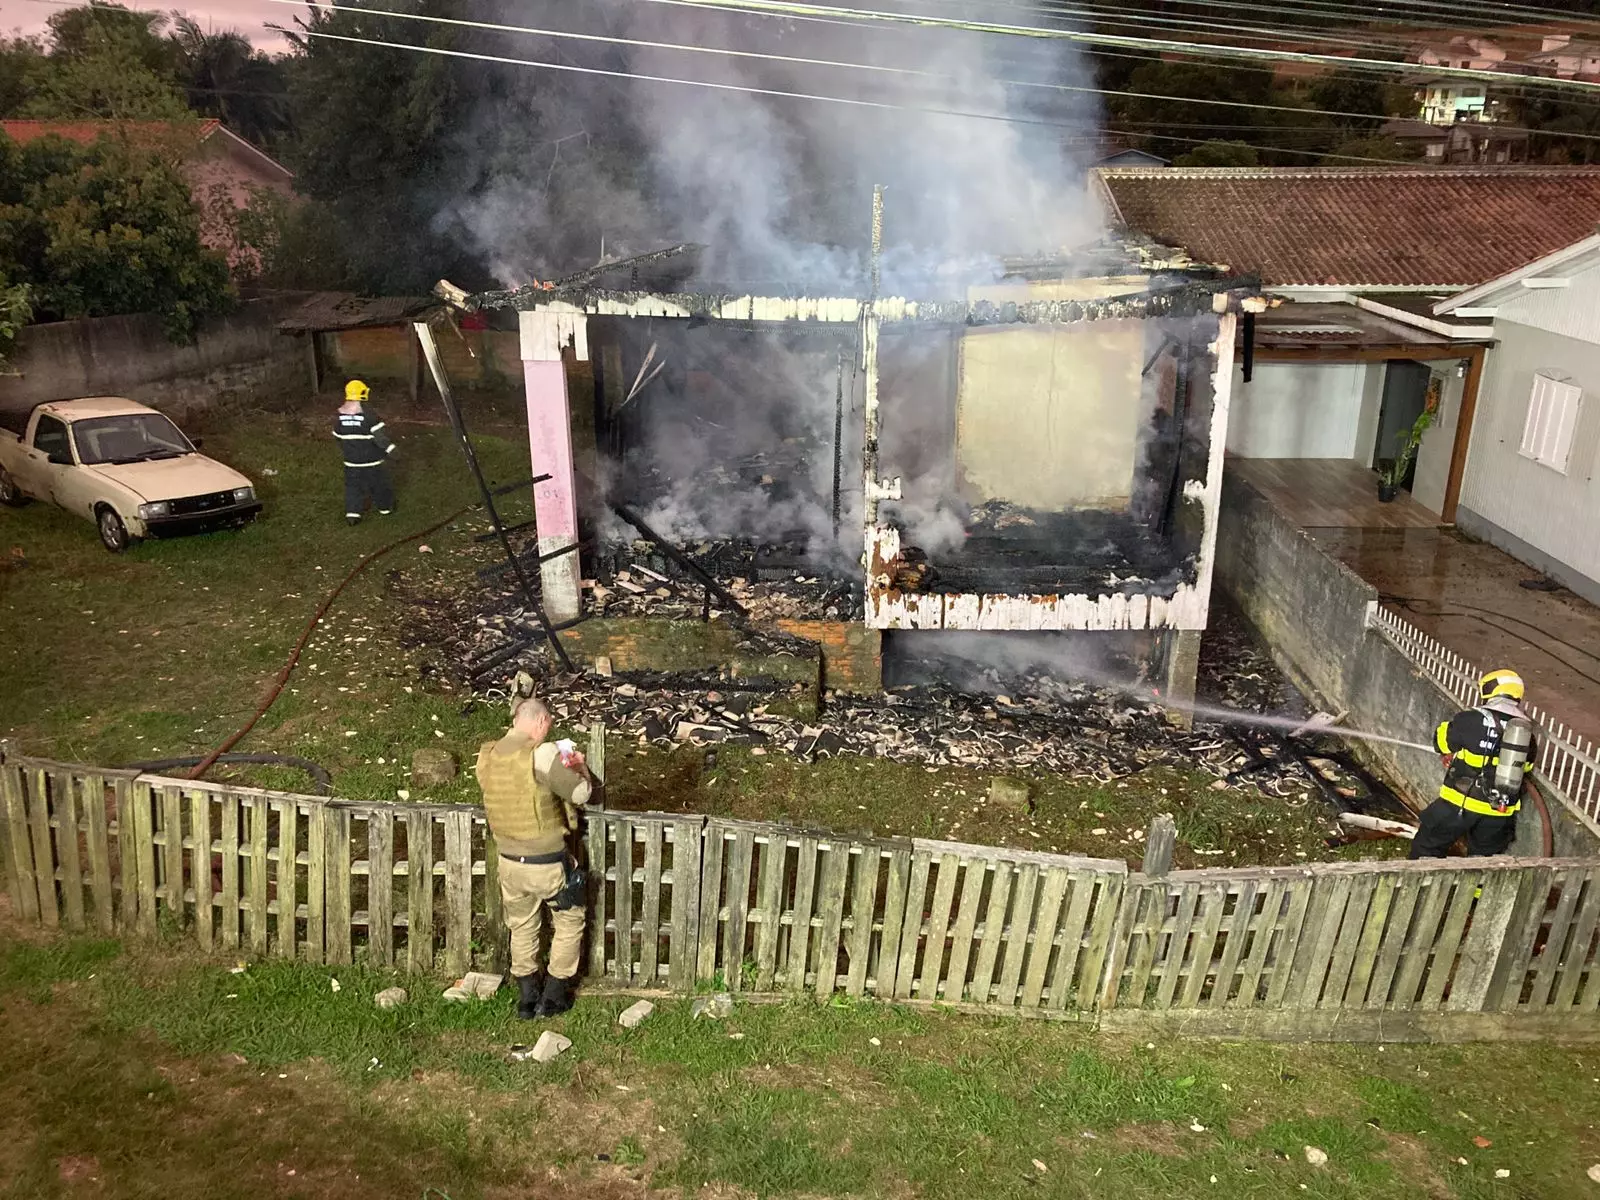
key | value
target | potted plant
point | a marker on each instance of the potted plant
(1392, 471)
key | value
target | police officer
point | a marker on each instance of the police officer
(1488, 752)
(366, 451)
(531, 794)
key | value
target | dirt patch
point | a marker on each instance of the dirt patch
(838, 1079)
(1159, 1139)
(76, 1171)
(1411, 1159)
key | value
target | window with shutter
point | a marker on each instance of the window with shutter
(1552, 417)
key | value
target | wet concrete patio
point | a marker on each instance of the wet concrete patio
(1468, 595)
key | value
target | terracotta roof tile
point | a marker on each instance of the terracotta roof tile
(85, 132)
(1381, 226)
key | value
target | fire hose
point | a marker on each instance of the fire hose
(278, 684)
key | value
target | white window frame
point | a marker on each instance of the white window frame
(1553, 407)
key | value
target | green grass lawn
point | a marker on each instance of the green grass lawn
(168, 1078)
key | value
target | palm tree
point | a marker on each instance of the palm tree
(225, 76)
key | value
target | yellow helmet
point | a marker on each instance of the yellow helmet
(356, 390)
(1501, 683)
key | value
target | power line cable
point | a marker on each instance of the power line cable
(774, 92)
(785, 8)
(335, 6)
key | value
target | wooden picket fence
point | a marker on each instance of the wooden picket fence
(1569, 764)
(1483, 948)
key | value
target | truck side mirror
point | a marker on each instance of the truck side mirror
(197, 443)
(61, 458)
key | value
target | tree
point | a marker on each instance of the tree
(21, 61)
(224, 76)
(105, 229)
(1388, 149)
(106, 62)
(1219, 154)
(16, 310)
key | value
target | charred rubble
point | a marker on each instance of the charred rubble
(1032, 720)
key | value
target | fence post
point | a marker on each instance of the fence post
(1159, 844)
(596, 758)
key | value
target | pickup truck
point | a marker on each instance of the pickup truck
(125, 467)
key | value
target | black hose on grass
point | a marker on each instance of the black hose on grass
(273, 692)
(321, 780)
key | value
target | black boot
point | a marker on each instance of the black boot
(557, 997)
(529, 990)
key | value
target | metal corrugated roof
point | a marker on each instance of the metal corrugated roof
(346, 310)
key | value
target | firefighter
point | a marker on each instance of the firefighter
(1488, 752)
(366, 453)
(533, 790)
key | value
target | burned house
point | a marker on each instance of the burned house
(1036, 454)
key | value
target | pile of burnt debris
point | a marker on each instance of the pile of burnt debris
(1020, 720)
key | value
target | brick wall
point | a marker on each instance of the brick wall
(852, 654)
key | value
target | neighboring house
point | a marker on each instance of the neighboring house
(1446, 100)
(1567, 59)
(221, 167)
(1531, 482)
(1465, 143)
(1133, 158)
(1473, 53)
(1336, 374)
(1449, 101)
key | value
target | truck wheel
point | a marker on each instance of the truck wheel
(113, 533)
(10, 493)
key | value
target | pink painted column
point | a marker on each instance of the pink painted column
(555, 502)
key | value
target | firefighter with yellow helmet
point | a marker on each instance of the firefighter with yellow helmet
(1488, 751)
(366, 454)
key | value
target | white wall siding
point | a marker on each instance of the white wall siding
(1556, 514)
(1433, 458)
(1371, 411)
(1298, 410)
(1572, 311)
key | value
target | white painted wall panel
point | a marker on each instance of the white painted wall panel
(1371, 413)
(1433, 457)
(1555, 513)
(1297, 410)
(1572, 311)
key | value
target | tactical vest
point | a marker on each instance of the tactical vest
(524, 815)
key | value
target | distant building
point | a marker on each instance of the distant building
(1133, 158)
(1567, 59)
(1449, 101)
(219, 165)
(1464, 143)
(1473, 53)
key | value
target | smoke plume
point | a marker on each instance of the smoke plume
(779, 192)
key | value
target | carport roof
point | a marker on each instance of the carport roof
(346, 310)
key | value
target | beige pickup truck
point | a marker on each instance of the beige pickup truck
(125, 467)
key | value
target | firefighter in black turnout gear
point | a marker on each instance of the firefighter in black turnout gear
(1488, 751)
(366, 452)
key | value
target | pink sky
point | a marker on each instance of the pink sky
(249, 17)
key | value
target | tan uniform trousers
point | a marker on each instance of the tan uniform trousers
(525, 890)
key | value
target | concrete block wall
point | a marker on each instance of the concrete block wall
(1311, 610)
(131, 356)
(473, 358)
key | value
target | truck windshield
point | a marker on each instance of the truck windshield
(130, 437)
